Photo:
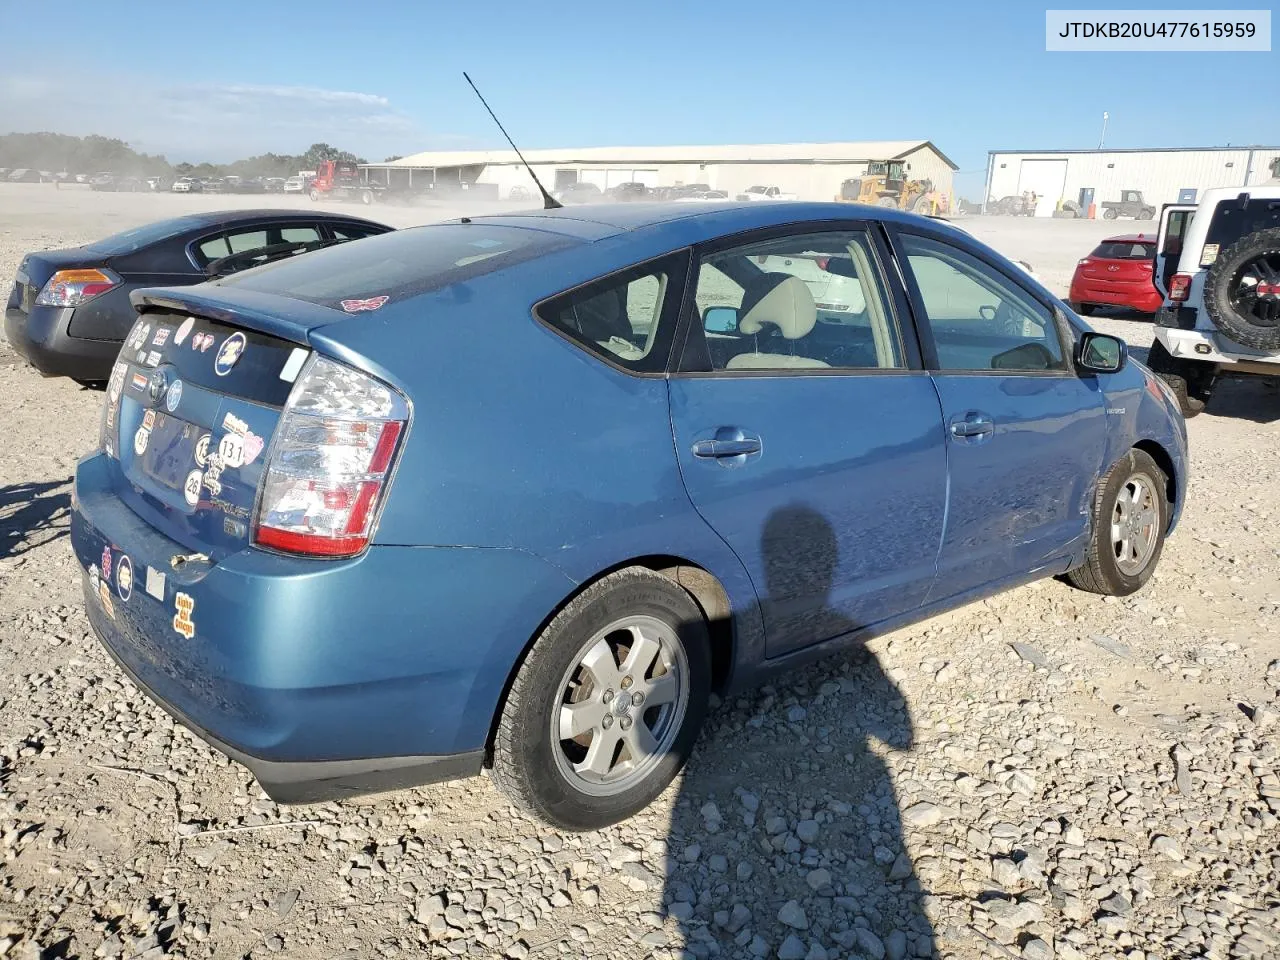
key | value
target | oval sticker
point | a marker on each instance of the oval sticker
(174, 396)
(229, 354)
(191, 489)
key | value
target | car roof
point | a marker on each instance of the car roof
(1131, 238)
(727, 217)
(267, 213)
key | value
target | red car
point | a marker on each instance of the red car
(1117, 274)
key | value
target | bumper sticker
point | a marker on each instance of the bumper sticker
(191, 489)
(183, 331)
(155, 583)
(106, 563)
(229, 354)
(174, 396)
(104, 594)
(202, 450)
(153, 358)
(139, 382)
(140, 440)
(182, 621)
(124, 578)
(94, 579)
(161, 337)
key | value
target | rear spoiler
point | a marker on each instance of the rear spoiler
(274, 315)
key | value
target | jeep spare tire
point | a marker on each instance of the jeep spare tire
(1242, 291)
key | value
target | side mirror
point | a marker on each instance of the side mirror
(720, 320)
(1100, 353)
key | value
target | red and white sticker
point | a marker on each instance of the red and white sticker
(359, 306)
(183, 331)
(149, 419)
(182, 621)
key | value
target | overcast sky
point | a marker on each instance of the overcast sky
(380, 79)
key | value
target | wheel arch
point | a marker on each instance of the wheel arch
(703, 587)
(1165, 462)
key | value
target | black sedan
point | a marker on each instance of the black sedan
(69, 310)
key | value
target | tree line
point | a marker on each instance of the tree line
(58, 152)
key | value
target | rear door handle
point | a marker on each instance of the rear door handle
(972, 425)
(716, 449)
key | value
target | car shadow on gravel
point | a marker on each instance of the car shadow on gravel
(33, 514)
(786, 837)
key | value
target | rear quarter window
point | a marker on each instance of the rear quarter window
(401, 264)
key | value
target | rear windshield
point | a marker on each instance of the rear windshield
(1114, 250)
(401, 264)
(139, 237)
(1233, 220)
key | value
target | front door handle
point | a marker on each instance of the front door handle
(972, 425)
(716, 449)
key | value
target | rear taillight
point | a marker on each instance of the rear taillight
(1085, 262)
(330, 460)
(1180, 287)
(70, 288)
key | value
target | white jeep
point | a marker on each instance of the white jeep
(1218, 266)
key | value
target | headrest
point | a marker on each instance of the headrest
(786, 303)
(602, 316)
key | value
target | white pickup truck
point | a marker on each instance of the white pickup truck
(765, 193)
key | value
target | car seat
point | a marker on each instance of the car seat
(781, 302)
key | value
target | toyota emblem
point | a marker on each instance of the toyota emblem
(157, 385)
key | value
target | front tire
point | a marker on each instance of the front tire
(315, 195)
(606, 707)
(1130, 517)
(1110, 213)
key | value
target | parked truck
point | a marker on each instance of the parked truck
(340, 180)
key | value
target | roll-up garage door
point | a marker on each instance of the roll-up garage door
(1047, 178)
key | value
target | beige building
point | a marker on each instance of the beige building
(811, 171)
(1162, 175)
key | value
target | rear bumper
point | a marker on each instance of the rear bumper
(324, 678)
(1121, 295)
(317, 780)
(1210, 347)
(41, 338)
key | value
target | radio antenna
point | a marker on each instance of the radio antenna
(548, 202)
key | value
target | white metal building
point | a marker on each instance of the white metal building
(1163, 175)
(812, 171)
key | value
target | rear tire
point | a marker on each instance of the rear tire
(1147, 213)
(1130, 517)
(1110, 213)
(629, 748)
(315, 195)
(1190, 380)
(1084, 309)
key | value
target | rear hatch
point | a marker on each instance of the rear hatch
(192, 408)
(1123, 263)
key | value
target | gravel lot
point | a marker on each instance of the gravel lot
(1043, 774)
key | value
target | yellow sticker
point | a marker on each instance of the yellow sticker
(182, 621)
(104, 594)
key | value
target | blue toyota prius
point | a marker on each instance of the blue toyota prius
(520, 492)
